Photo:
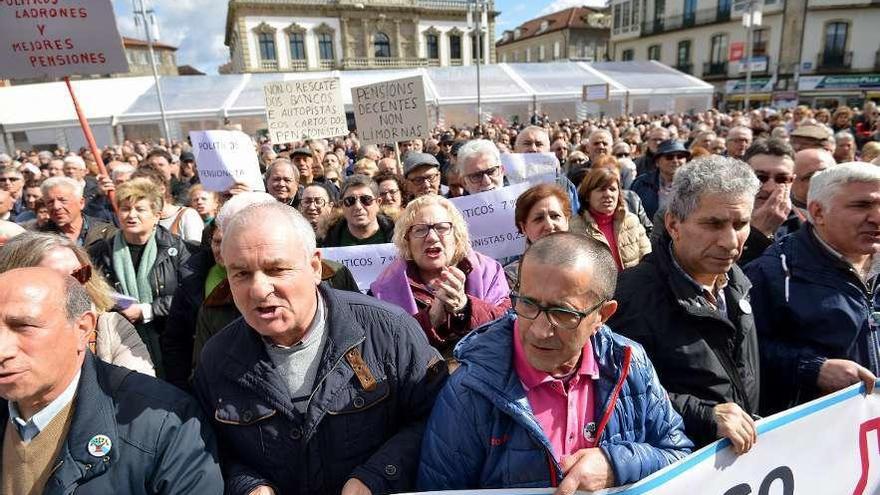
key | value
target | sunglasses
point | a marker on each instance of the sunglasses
(621, 155)
(365, 200)
(779, 179)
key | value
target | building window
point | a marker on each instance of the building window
(297, 46)
(835, 37)
(718, 50)
(635, 13)
(381, 46)
(654, 52)
(759, 42)
(626, 55)
(626, 13)
(723, 9)
(455, 46)
(683, 57)
(325, 46)
(433, 44)
(541, 53)
(476, 50)
(267, 46)
(690, 12)
(617, 19)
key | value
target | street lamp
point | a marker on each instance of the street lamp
(141, 12)
(478, 9)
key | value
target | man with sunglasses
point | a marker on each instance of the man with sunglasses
(361, 222)
(545, 394)
(479, 164)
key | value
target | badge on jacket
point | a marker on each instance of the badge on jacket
(745, 307)
(100, 445)
(590, 432)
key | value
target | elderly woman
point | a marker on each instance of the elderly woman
(604, 217)
(449, 288)
(540, 211)
(142, 262)
(115, 340)
(179, 220)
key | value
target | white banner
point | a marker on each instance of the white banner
(391, 111)
(56, 39)
(364, 262)
(224, 158)
(518, 167)
(490, 220)
(309, 109)
(826, 447)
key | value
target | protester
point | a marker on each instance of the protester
(360, 222)
(687, 303)
(654, 188)
(315, 204)
(479, 165)
(604, 217)
(539, 382)
(391, 189)
(540, 211)
(282, 182)
(844, 147)
(422, 174)
(142, 261)
(12, 181)
(532, 139)
(303, 159)
(738, 141)
(115, 340)
(63, 196)
(448, 287)
(363, 434)
(647, 162)
(104, 429)
(206, 203)
(365, 166)
(807, 163)
(180, 221)
(814, 293)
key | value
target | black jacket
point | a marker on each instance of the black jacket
(160, 442)
(703, 358)
(334, 233)
(369, 431)
(93, 231)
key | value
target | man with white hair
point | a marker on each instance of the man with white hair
(479, 165)
(807, 163)
(64, 198)
(75, 168)
(814, 294)
(738, 141)
(845, 147)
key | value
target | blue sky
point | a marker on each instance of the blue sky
(197, 26)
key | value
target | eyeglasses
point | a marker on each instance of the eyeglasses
(676, 156)
(564, 318)
(477, 177)
(319, 202)
(421, 230)
(365, 200)
(621, 155)
(82, 274)
(432, 178)
(10, 179)
(390, 192)
(779, 179)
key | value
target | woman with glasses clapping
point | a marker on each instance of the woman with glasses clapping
(449, 288)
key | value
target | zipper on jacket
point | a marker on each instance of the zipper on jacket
(609, 409)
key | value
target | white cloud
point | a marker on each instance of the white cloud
(558, 5)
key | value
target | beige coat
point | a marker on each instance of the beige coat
(119, 343)
(632, 241)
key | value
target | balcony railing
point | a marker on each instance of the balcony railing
(833, 60)
(269, 64)
(455, 62)
(385, 63)
(714, 69)
(686, 68)
(298, 65)
(327, 64)
(700, 17)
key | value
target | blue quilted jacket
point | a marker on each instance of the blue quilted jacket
(482, 433)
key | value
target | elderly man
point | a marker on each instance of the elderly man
(687, 303)
(561, 149)
(315, 390)
(599, 143)
(70, 420)
(75, 168)
(532, 139)
(845, 147)
(12, 181)
(303, 159)
(523, 409)
(816, 306)
(422, 174)
(807, 163)
(812, 136)
(361, 222)
(63, 197)
(738, 141)
(479, 165)
(645, 164)
(55, 168)
(282, 182)
(654, 188)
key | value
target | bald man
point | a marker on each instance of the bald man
(71, 420)
(806, 164)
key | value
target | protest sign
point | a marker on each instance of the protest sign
(364, 262)
(57, 39)
(224, 158)
(595, 92)
(518, 167)
(310, 109)
(490, 220)
(391, 111)
(826, 446)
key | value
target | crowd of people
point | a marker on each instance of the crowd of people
(684, 276)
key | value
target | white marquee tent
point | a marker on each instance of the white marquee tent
(42, 115)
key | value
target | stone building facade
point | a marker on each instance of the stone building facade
(576, 33)
(314, 35)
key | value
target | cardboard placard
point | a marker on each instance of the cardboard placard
(308, 109)
(391, 111)
(224, 158)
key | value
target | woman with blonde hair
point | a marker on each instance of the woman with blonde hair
(448, 287)
(115, 339)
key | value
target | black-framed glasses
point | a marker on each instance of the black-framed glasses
(421, 230)
(430, 178)
(365, 199)
(564, 318)
(477, 177)
(621, 155)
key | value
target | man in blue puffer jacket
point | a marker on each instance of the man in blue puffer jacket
(550, 396)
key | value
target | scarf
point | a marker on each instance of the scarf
(136, 285)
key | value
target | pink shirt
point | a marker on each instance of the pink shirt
(564, 412)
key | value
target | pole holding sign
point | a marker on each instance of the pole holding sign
(391, 111)
(300, 110)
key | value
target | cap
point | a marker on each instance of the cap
(415, 159)
(447, 138)
(811, 131)
(305, 150)
(671, 146)
(186, 156)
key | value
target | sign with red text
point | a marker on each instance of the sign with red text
(57, 38)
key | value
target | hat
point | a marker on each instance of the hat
(671, 146)
(447, 138)
(186, 156)
(415, 159)
(305, 150)
(811, 131)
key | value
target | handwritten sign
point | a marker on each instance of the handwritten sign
(364, 262)
(224, 158)
(519, 167)
(391, 111)
(56, 39)
(490, 219)
(595, 92)
(310, 109)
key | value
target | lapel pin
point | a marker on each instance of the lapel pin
(100, 445)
